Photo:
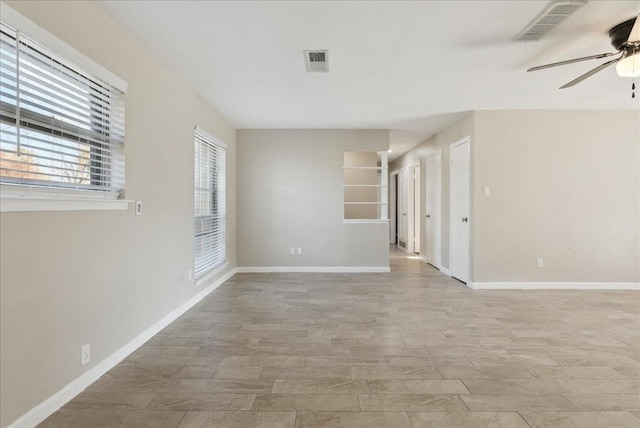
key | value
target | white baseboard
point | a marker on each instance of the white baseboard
(45, 409)
(313, 269)
(554, 285)
(444, 270)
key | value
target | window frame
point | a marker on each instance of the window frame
(217, 192)
(25, 197)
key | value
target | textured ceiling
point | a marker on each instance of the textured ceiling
(412, 67)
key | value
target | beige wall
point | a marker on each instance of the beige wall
(104, 277)
(290, 195)
(565, 186)
(441, 141)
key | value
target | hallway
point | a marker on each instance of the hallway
(411, 348)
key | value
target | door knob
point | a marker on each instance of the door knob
(465, 219)
(404, 213)
(428, 215)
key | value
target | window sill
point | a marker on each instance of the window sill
(17, 198)
(23, 204)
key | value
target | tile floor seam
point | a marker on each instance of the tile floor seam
(524, 419)
(409, 418)
(465, 403)
(465, 385)
(181, 419)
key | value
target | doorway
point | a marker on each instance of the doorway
(459, 205)
(433, 208)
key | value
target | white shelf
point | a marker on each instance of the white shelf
(380, 204)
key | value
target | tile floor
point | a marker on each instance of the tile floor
(412, 348)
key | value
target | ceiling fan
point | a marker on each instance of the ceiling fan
(625, 37)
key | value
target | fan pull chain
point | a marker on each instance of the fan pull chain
(633, 83)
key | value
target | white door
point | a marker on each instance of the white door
(433, 207)
(459, 222)
(416, 209)
(393, 209)
(403, 187)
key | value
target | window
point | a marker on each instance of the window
(365, 186)
(210, 202)
(61, 127)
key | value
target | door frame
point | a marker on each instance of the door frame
(437, 189)
(417, 207)
(393, 207)
(465, 140)
(407, 244)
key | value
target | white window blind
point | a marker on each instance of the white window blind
(210, 202)
(60, 127)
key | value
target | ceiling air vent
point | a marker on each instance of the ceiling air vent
(552, 15)
(317, 61)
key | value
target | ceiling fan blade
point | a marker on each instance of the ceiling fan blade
(571, 61)
(634, 35)
(590, 73)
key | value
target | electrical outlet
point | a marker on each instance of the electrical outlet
(299, 250)
(540, 262)
(138, 207)
(292, 251)
(85, 353)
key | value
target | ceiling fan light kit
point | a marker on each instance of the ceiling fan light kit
(629, 65)
(625, 38)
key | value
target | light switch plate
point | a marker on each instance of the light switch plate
(85, 353)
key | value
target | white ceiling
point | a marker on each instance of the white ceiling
(412, 67)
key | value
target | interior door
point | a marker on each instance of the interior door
(393, 209)
(416, 209)
(459, 222)
(433, 212)
(403, 187)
